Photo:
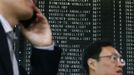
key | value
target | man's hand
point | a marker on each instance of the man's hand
(39, 33)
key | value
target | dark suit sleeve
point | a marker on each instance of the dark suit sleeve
(45, 62)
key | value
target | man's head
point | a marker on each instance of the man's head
(101, 58)
(15, 10)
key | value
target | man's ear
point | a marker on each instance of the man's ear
(91, 63)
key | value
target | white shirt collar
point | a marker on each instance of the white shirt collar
(5, 24)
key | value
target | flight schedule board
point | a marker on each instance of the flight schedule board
(77, 23)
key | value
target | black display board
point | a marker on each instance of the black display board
(77, 23)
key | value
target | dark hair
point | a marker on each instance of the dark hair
(93, 51)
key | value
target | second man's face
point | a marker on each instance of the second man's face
(109, 63)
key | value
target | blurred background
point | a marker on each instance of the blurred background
(77, 23)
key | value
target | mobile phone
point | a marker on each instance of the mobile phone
(27, 23)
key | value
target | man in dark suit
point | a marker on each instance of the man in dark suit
(102, 58)
(45, 57)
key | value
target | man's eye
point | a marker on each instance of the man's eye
(114, 58)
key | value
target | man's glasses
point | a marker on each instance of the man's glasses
(115, 58)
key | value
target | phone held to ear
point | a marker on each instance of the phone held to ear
(28, 22)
